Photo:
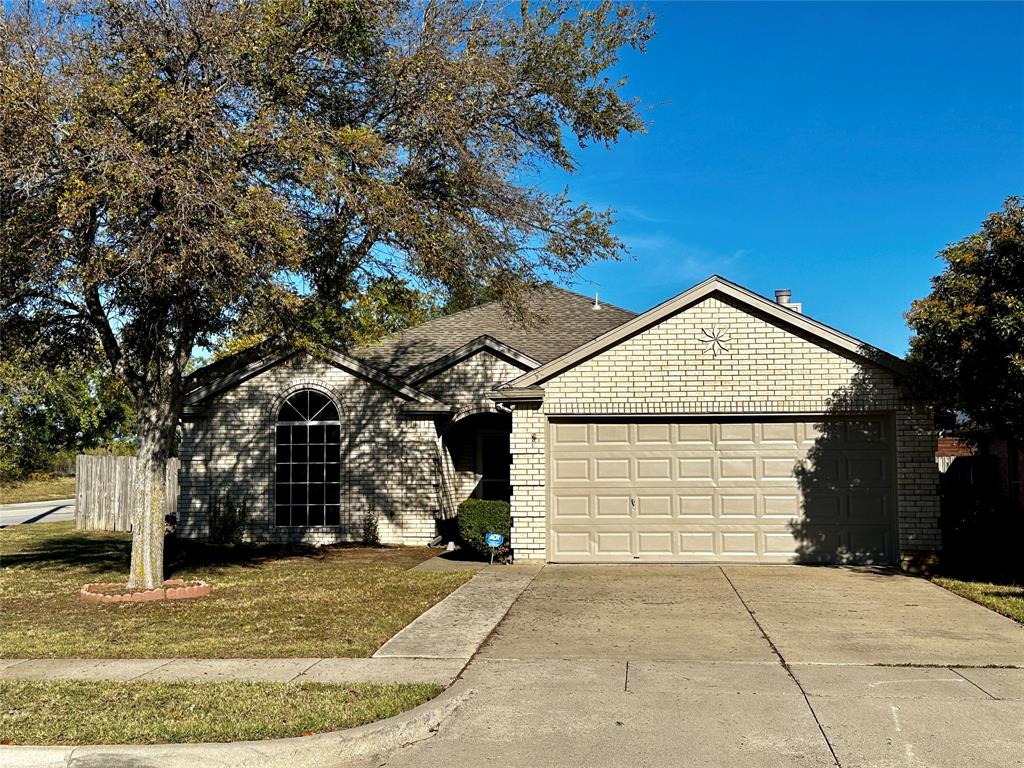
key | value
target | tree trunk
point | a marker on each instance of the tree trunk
(156, 425)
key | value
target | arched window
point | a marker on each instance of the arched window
(308, 465)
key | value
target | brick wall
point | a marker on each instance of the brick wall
(469, 381)
(761, 368)
(389, 461)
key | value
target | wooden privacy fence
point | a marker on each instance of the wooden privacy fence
(105, 491)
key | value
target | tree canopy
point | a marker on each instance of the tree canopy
(170, 168)
(968, 346)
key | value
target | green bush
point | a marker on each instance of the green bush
(477, 517)
(227, 520)
(371, 530)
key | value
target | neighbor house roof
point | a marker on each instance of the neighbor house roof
(559, 322)
(767, 308)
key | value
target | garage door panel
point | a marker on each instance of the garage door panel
(655, 543)
(614, 542)
(694, 435)
(696, 469)
(739, 544)
(868, 507)
(760, 491)
(568, 433)
(697, 544)
(737, 468)
(572, 508)
(654, 435)
(648, 506)
(823, 505)
(781, 434)
(612, 434)
(570, 544)
(654, 468)
(736, 435)
(779, 468)
(741, 505)
(692, 505)
(571, 469)
(786, 506)
(613, 506)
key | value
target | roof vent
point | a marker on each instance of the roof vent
(597, 304)
(783, 296)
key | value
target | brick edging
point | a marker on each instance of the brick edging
(173, 589)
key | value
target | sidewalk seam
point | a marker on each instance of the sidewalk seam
(154, 669)
(304, 671)
(785, 666)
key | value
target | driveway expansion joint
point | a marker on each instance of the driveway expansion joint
(965, 677)
(785, 666)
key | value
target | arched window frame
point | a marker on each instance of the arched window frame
(307, 461)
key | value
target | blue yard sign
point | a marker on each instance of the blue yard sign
(493, 540)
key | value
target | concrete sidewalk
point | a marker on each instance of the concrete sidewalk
(405, 670)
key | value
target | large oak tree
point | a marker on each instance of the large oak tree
(170, 166)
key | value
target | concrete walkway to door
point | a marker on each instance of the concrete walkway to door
(737, 666)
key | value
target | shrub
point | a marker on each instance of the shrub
(477, 517)
(227, 520)
(371, 531)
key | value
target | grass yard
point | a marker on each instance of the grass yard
(335, 601)
(1003, 599)
(24, 491)
(149, 713)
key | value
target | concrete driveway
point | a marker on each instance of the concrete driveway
(737, 666)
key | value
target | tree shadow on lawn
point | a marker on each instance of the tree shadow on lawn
(103, 553)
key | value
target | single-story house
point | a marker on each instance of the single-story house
(718, 426)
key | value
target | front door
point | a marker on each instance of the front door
(493, 464)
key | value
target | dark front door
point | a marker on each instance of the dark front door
(493, 462)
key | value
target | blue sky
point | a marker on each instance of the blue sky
(828, 148)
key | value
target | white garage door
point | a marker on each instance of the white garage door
(730, 490)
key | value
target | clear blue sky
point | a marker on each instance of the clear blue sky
(829, 148)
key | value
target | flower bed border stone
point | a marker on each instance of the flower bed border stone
(173, 589)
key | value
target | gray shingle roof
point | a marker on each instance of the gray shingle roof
(562, 320)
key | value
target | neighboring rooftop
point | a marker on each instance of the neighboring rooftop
(560, 321)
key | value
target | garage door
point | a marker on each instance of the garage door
(756, 491)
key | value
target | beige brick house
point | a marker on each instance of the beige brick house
(717, 426)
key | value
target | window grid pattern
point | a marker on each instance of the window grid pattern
(307, 490)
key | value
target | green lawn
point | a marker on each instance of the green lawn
(37, 490)
(79, 712)
(1007, 600)
(336, 601)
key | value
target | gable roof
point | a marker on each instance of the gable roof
(713, 285)
(562, 321)
(479, 344)
(245, 370)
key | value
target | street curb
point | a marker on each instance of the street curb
(321, 750)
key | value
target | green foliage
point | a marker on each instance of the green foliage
(968, 348)
(371, 529)
(48, 416)
(169, 170)
(477, 517)
(227, 520)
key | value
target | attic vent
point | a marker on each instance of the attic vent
(784, 296)
(597, 304)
